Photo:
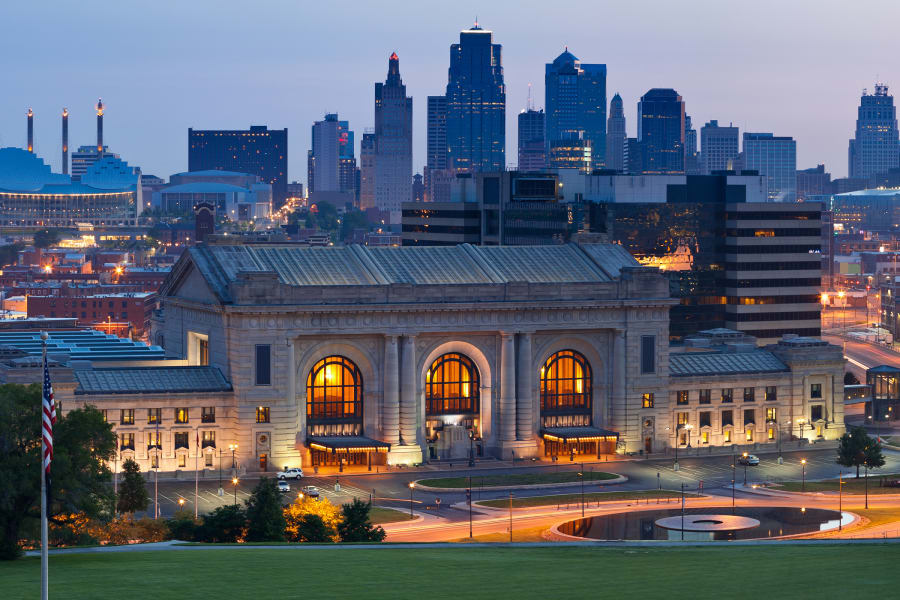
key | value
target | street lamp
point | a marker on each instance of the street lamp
(866, 463)
(803, 464)
(843, 310)
(412, 486)
(232, 447)
(745, 468)
(221, 491)
(733, 478)
(800, 423)
(677, 441)
(234, 481)
(181, 503)
(840, 500)
(688, 427)
(581, 477)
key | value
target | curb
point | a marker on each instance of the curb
(535, 486)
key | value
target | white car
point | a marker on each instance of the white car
(284, 486)
(311, 491)
(295, 473)
(750, 460)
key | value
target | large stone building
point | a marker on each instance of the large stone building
(304, 356)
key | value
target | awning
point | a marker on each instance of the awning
(338, 444)
(568, 435)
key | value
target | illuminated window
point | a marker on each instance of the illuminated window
(105, 415)
(727, 395)
(154, 440)
(682, 419)
(208, 459)
(771, 414)
(204, 352)
(683, 397)
(771, 393)
(127, 416)
(154, 415)
(704, 437)
(181, 416)
(334, 392)
(452, 386)
(566, 394)
(127, 441)
(262, 414)
(209, 439)
(749, 434)
(154, 461)
(727, 436)
(182, 460)
(647, 400)
(771, 433)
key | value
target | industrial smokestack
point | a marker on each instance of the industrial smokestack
(30, 130)
(65, 141)
(99, 125)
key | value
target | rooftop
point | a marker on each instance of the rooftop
(724, 363)
(80, 344)
(160, 380)
(202, 187)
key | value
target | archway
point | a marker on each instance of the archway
(452, 406)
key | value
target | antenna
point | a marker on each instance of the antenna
(530, 104)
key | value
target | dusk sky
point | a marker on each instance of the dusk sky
(790, 67)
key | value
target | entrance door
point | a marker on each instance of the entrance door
(648, 445)
(263, 462)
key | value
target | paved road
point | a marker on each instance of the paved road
(862, 356)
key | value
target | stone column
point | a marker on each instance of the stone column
(619, 408)
(507, 387)
(390, 408)
(408, 391)
(524, 391)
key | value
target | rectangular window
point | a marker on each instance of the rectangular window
(105, 414)
(815, 390)
(646, 401)
(127, 441)
(208, 459)
(127, 416)
(209, 439)
(181, 439)
(208, 414)
(154, 416)
(181, 416)
(706, 419)
(727, 395)
(263, 364)
(749, 417)
(705, 396)
(203, 347)
(704, 437)
(771, 393)
(154, 461)
(749, 434)
(682, 418)
(683, 397)
(648, 354)
(771, 415)
(182, 460)
(727, 436)
(727, 418)
(262, 414)
(154, 440)
(771, 433)
(749, 394)
(816, 412)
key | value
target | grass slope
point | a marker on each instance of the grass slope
(575, 498)
(519, 573)
(852, 485)
(516, 479)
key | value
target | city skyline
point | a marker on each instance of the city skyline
(301, 77)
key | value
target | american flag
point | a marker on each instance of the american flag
(49, 420)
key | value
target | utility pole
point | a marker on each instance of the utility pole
(510, 517)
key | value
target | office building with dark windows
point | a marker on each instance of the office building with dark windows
(775, 158)
(719, 147)
(393, 143)
(616, 136)
(436, 173)
(532, 151)
(259, 151)
(661, 131)
(875, 149)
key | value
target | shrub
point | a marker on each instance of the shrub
(226, 524)
(295, 516)
(355, 526)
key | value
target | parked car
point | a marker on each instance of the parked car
(310, 491)
(295, 473)
(284, 486)
(751, 460)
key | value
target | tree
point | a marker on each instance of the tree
(225, 524)
(80, 481)
(850, 378)
(45, 238)
(856, 449)
(295, 516)
(133, 489)
(311, 528)
(353, 219)
(265, 515)
(356, 527)
(183, 526)
(9, 254)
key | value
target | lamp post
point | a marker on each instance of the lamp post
(745, 468)
(510, 517)
(688, 427)
(803, 485)
(469, 498)
(733, 478)
(843, 311)
(412, 485)
(866, 464)
(472, 448)
(180, 503)
(233, 448)
(800, 423)
(234, 481)
(677, 441)
(581, 476)
(840, 500)
(221, 491)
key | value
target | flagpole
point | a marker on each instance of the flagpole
(196, 473)
(45, 576)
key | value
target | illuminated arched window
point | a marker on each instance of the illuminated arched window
(566, 384)
(451, 386)
(334, 392)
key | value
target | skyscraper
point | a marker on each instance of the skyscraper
(532, 154)
(718, 147)
(436, 159)
(776, 159)
(476, 104)
(257, 151)
(323, 163)
(875, 149)
(616, 135)
(393, 142)
(661, 131)
(367, 171)
(691, 158)
(575, 100)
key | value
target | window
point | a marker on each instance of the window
(706, 419)
(749, 434)
(209, 439)
(647, 401)
(208, 459)
(154, 461)
(704, 437)
(127, 416)
(771, 433)
(683, 397)
(771, 393)
(181, 416)
(203, 348)
(182, 460)
(816, 412)
(452, 386)
(105, 414)
(749, 394)
(334, 392)
(705, 396)
(749, 417)
(727, 418)
(181, 439)
(566, 390)
(154, 415)
(682, 419)
(262, 414)
(726, 436)
(815, 390)
(727, 395)
(263, 364)
(154, 440)
(648, 354)
(208, 414)
(127, 441)
(771, 415)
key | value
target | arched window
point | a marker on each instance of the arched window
(566, 384)
(452, 386)
(334, 392)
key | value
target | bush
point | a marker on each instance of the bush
(311, 528)
(296, 514)
(70, 530)
(150, 530)
(355, 526)
(226, 524)
(265, 516)
(183, 527)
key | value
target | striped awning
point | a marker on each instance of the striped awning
(339, 444)
(568, 435)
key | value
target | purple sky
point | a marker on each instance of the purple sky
(794, 67)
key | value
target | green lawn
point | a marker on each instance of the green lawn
(588, 497)
(521, 573)
(516, 479)
(381, 515)
(852, 485)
